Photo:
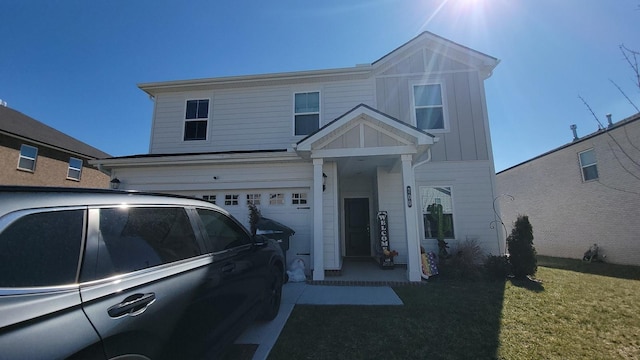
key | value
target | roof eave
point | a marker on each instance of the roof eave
(151, 88)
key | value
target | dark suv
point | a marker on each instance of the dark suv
(104, 274)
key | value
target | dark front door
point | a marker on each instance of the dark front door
(357, 227)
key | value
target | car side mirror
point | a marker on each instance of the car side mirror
(259, 240)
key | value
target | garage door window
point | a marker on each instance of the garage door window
(137, 238)
(299, 198)
(41, 249)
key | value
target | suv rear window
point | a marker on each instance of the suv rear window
(41, 249)
(137, 238)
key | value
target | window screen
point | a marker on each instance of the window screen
(28, 155)
(306, 113)
(429, 109)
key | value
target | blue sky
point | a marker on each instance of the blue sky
(74, 65)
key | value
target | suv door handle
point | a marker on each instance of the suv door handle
(227, 268)
(132, 305)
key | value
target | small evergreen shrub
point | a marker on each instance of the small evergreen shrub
(497, 267)
(254, 217)
(522, 254)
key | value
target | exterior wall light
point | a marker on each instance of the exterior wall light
(324, 182)
(115, 183)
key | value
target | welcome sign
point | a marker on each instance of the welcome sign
(383, 231)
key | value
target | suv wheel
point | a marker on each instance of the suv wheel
(273, 296)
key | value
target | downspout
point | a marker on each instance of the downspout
(425, 160)
(415, 212)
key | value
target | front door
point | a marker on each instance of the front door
(357, 237)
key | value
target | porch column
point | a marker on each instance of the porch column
(318, 236)
(410, 203)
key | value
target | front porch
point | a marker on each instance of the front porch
(363, 163)
(365, 272)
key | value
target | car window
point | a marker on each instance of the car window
(41, 249)
(223, 232)
(137, 238)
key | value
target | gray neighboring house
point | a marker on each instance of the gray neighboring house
(584, 192)
(32, 153)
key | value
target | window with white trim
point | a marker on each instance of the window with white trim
(437, 212)
(231, 199)
(299, 198)
(196, 120)
(28, 156)
(209, 198)
(306, 112)
(276, 199)
(75, 169)
(253, 199)
(429, 107)
(588, 164)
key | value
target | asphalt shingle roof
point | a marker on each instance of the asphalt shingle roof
(15, 123)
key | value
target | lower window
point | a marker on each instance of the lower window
(437, 212)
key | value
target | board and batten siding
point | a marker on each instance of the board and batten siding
(391, 200)
(330, 223)
(259, 118)
(472, 194)
(466, 138)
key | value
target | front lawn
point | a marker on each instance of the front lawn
(577, 311)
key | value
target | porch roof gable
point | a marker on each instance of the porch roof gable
(364, 130)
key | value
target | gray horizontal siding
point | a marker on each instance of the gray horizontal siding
(250, 118)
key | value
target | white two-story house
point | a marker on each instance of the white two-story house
(324, 151)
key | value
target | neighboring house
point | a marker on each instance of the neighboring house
(323, 151)
(583, 193)
(32, 153)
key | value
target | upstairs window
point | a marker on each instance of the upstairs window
(306, 113)
(28, 155)
(428, 107)
(196, 119)
(588, 165)
(75, 169)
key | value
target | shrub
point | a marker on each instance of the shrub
(254, 217)
(497, 267)
(467, 260)
(522, 254)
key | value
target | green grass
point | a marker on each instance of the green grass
(576, 311)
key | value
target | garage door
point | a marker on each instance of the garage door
(291, 207)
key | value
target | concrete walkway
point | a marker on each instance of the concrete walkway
(265, 334)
